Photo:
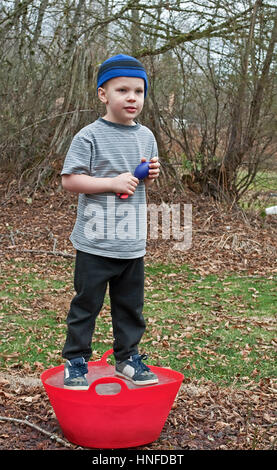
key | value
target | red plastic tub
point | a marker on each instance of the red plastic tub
(112, 413)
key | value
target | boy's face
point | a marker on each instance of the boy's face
(124, 98)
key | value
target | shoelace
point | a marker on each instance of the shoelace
(78, 370)
(137, 359)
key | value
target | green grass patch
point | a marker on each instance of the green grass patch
(264, 180)
(215, 327)
(220, 328)
(261, 193)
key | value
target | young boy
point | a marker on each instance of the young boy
(99, 166)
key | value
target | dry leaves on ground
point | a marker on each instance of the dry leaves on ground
(204, 415)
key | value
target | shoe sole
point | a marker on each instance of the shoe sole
(145, 382)
(80, 387)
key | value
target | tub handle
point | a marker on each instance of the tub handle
(103, 359)
(108, 380)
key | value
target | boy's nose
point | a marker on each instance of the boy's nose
(131, 97)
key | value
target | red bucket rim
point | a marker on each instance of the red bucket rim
(175, 375)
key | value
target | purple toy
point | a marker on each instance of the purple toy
(141, 172)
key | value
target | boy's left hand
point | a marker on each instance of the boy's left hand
(154, 169)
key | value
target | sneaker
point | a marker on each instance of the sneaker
(74, 374)
(133, 369)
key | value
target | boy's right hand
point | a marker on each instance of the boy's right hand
(125, 183)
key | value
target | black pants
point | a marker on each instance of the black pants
(126, 290)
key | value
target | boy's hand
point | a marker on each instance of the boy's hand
(125, 183)
(154, 170)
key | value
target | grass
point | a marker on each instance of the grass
(217, 327)
(262, 191)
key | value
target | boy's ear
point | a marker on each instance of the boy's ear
(102, 95)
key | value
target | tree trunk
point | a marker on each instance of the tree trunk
(234, 154)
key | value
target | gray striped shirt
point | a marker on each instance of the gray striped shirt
(106, 225)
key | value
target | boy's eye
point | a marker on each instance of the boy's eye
(124, 90)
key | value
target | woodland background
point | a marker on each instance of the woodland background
(212, 68)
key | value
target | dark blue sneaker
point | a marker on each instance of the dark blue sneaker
(74, 374)
(133, 369)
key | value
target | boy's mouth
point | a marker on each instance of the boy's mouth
(130, 109)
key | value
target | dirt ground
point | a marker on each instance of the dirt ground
(204, 415)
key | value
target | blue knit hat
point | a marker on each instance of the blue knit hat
(121, 66)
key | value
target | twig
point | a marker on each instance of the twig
(52, 237)
(36, 123)
(27, 423)
(12, 237)
(44, 252)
